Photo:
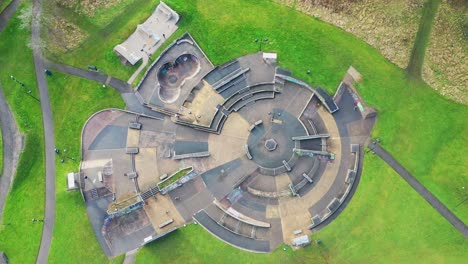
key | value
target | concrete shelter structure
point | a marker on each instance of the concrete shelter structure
(149, 36)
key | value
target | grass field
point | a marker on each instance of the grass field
(403, 104)
(422, 38)
(84, 98)
(19, 237)
(104, 31)
(385, 222)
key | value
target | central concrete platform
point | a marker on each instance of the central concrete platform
(281, 129)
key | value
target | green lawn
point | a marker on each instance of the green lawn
(415, 64)
(19, 237)
(388, 222)
(385, 222)
(305, 43)
(72, 226)
(105, 30)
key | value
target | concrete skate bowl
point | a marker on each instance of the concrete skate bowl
(172, 76)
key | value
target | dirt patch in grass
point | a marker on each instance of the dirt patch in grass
(446, 64)
(87, 7)
(63, 35)
(390, 27)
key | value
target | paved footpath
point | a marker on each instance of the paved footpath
(12, 143)
(430, 198)
(119, 85)
(126, 90)
(7, 13)
(49, 216)
(130, 257)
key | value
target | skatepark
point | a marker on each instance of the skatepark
(254, 155)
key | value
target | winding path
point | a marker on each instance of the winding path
(6, 14)
(119, 85)
(49, 216)
(12, 143)
(428, 196)
(126, 90)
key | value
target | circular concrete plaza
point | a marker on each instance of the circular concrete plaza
(281, 130)
(251, 153)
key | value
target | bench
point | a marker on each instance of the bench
(131, 175)
(166, 223)
(134, 125)
(355, 149)
(257, 123)
(286, 165)
(307, 178)
(297, 232)
(132, 150)
(247, 152)
(163, 177)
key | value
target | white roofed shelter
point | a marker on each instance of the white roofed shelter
(149, 35)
